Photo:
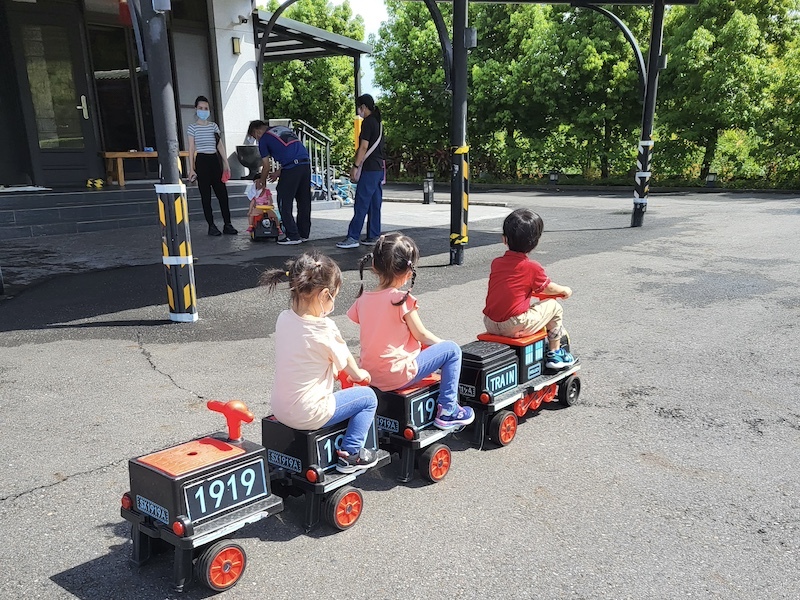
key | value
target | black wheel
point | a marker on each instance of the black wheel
(434, 463)
(503, 427)
(569, 390)
(221, 565)
(343, 508)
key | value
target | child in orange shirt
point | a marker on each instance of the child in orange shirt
(392, 333)
(310, 350)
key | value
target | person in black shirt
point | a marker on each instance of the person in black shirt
(369, 192)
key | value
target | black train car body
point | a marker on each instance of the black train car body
(190, 496)
(406, 426)
(503, 378)
(304, 463)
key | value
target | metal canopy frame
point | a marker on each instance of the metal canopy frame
(287, 39)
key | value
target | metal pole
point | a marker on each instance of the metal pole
(459, 184)
(645, 154)
(173, 210)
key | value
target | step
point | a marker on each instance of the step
(37, 214)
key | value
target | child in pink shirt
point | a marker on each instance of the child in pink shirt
(392, 333)
(309, 352)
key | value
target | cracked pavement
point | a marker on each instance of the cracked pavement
(676, 475)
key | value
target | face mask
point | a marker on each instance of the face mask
(323, 313)
(203, 114)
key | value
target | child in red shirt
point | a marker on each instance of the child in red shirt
(515, 280)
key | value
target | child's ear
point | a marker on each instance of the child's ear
(505, 241)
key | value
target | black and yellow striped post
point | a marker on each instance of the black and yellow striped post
(459, 183)
(655, 62)
(459, 205)
(176, 249)
(641, 187)
(173, 213)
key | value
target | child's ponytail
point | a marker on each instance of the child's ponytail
(364, 260)
(308, 273)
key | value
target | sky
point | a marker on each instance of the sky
(373, 12)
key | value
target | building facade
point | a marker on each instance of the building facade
(72, 84)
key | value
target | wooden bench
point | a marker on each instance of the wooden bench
(116, 172)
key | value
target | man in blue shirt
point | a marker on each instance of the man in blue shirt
(293, 175)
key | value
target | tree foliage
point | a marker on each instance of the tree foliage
(319, 91)
(557, 87)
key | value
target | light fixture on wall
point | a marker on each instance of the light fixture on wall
(236, 45)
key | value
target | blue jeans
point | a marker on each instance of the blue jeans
(369, 197)
(445, 355)
(358, 404)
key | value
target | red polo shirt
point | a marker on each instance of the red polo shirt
(514, 278)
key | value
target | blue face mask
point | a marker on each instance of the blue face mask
(203, 114)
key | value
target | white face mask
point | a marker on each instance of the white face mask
(322, 312)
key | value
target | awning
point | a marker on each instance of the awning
(291, 40)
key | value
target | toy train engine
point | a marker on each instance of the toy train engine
(304, 463)
(192, 495)
(405, 425)
(265, 223)
(503, 378)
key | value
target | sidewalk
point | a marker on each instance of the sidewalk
(27, 261)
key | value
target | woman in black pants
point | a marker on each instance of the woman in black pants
(205, 143)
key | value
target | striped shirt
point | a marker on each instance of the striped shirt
(204, 140)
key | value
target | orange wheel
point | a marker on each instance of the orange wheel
(343, 508)
(503, 427)
(434, 463)
(521, 406)
(221, 565)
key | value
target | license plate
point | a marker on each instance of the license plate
(223, 491)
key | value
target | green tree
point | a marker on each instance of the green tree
(319, 91)
(596, 85)
(415, 106)
(509, 109)
(719, 70)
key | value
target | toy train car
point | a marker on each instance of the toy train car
(405, 426)
(500, 373)
(304, 463)
(192, 495)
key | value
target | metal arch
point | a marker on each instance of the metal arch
(444, 40)
(267, 30)
(628, 36)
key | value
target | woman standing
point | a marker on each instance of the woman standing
(369, 192)
(205, 142)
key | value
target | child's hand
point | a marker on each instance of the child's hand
(362, 376)
(566, 293)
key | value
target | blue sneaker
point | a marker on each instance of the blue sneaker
(463, 416)
(559, 359)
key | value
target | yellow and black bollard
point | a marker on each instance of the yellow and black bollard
(176, 247)
(459, 211)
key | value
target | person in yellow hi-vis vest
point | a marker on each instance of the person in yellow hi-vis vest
(369, 169)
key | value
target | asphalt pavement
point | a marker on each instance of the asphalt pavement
(676, 475)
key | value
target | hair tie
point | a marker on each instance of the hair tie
(317, 264)
(287, 274)
(408, 262)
